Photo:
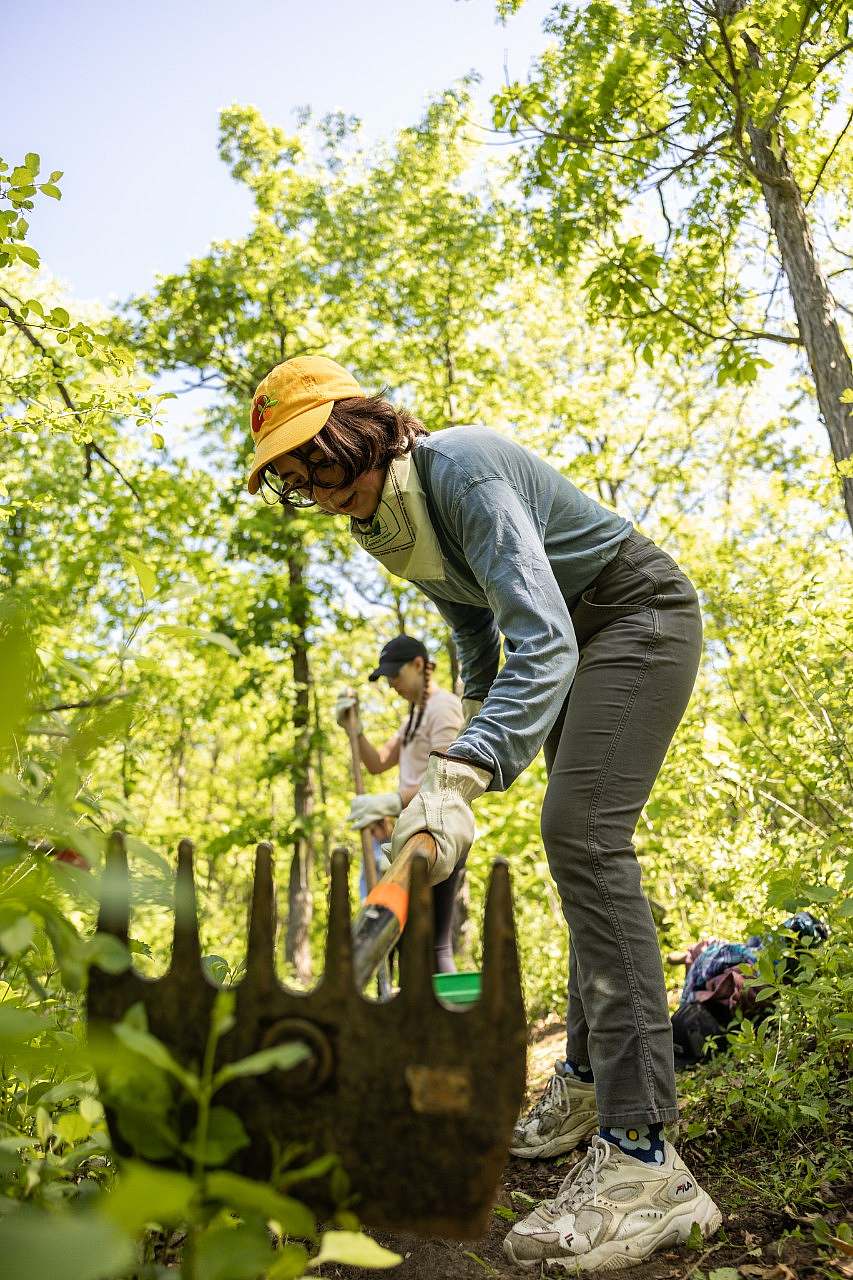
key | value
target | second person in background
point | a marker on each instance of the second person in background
(434, 721)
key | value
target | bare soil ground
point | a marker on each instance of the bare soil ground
(753, 1244)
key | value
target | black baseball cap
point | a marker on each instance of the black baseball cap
(396, 653)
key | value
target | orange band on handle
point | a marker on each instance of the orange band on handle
(390, 895)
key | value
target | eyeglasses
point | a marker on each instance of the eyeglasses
(321, 473)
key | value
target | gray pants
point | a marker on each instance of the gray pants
(640, 635)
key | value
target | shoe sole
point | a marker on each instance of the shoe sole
(558, 1146)
(617, 1255)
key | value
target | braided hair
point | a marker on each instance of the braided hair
(416, 713)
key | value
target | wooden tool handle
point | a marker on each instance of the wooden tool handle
(350, 725)
(383, 914)
(401, 868)
(367, 859)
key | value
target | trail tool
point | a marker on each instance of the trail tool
(417, 1098)
(368, 860)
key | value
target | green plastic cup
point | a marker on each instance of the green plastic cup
(457, 988)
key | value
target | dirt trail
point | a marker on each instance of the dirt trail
(748, 1241)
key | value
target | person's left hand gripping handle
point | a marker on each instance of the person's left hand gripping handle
(443, 808)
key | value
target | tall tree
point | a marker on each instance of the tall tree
(672, 144)
(225, 321)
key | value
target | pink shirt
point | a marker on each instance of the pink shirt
(440, 726)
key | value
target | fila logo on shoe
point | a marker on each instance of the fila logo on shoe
(683, 1189)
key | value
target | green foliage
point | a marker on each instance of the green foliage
(61, 374)
(687, 159)
(170, 652)
(786, 1076)
(640, 112)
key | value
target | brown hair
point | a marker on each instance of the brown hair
(413, 724)
(365, 432)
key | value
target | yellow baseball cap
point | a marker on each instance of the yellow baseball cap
(292, 403)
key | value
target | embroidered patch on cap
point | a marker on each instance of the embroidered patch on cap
(259, 408)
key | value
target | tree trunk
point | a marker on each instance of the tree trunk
(455, 674)
(399, 607)
(319, 747)
(449, 364)
(813, 300)
(180, 768)
(300, 903)
(463, 925)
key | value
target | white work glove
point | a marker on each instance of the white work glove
(443, 808)
(470, 707)
(344, 704)
(365, 810)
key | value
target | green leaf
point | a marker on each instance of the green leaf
(35, 1245)
(233, 1253)
(27, 254)
(247, 1196)
(72, 1128)
(18, 664)
(150, 1048)
(207, 637)
(314, 1169)
(149, 1134)
(354, 1249)
(32, 161)
(44, 1126)
(222, 1017)
(157, 441)
(820, 892)
(17, 1026)
(59, 317)
(18, 936)
(695, 1240)
(216, 968)
(225, 1136)
(108, 953)
(290, 1263)
(146, 575)
(143, 1194)
(48, 189)
(91, 1109)
(280, 1057)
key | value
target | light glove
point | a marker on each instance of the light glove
(343, 706)
(443, 808)
(365, 810)
(470, 707)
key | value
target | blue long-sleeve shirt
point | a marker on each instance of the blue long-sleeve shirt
(521, 544)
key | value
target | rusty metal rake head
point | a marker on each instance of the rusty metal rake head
(418, 1100)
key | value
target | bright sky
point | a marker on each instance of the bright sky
(124, 98)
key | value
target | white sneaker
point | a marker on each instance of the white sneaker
(613, 1211)
(561, 1119)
